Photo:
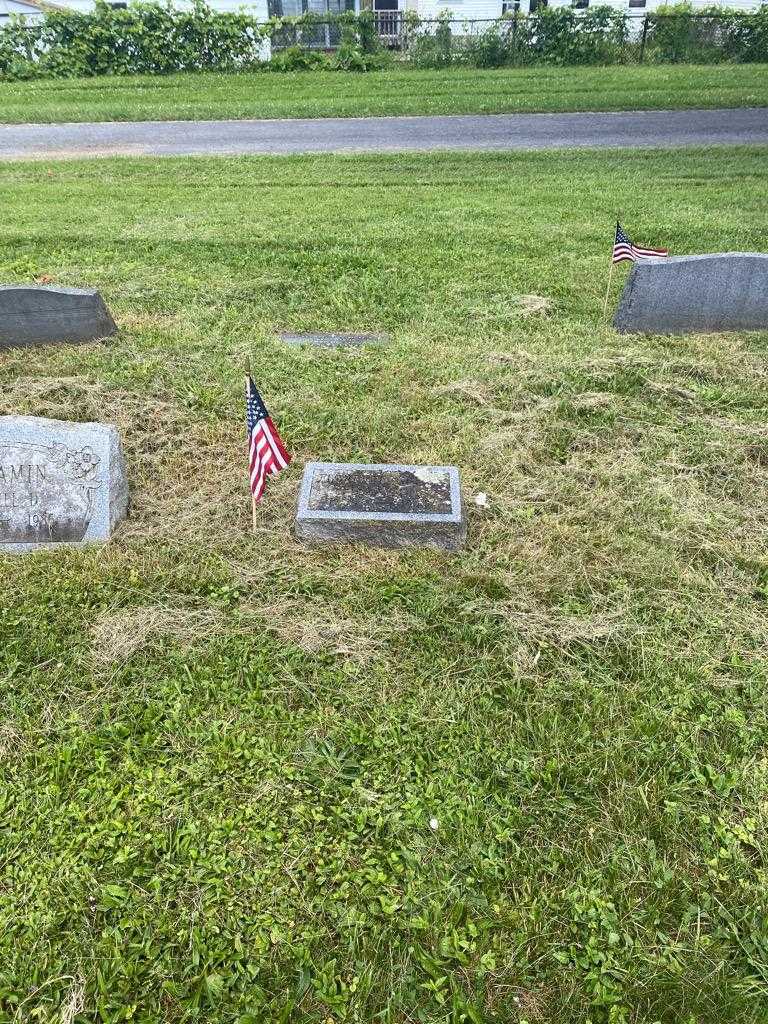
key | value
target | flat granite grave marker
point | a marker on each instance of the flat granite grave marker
(381, 505)
(44, 315)
(60, 483)
(721, 291)
(334, 339)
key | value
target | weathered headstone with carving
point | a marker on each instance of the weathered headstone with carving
(381, 505)
(60, 483)
(44, 315)
(722, 291)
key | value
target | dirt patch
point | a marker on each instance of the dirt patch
(320, 627)
(471, 390)
(117, 635)
(531, 305)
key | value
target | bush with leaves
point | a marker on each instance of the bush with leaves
(431, 44)
(145, 38)
(564, 35)
(298, 58)
(157, 38)
(360, 48)
(351, 57)
(746, 37)
(679, 35)
(495, 47)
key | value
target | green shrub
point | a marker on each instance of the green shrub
(364, 31)
(670, 33)
(146, 38)
(431, 44)
(746, 36)
(156, 38)
(495, 47)
(297, 58)
(352, 57)
(679, 35)
(360, 48)
(564, 36)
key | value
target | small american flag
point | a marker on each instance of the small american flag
(267, 452)
(625, 249)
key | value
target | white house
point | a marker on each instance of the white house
(30, 11)
(469, 9)
(256, 8)
(481, 9)
(261, 10)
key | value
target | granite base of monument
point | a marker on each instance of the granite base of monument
(334, 339)
(381, 505)
(725, 291)
(45, 315)
(60, 483)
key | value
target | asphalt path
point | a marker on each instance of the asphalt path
(652, 128)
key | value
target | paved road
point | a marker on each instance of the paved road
(385, 134)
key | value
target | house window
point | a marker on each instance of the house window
(535, 5)
(581, 4)
(637, 3)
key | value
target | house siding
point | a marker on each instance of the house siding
(9, 7)
(256, 8)
(459, 8)
(480, 9)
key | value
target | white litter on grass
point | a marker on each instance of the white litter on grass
(434, 824)
(481, 499)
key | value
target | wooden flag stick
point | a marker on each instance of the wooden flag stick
(610, 269)
(253, 499)
(608, 288)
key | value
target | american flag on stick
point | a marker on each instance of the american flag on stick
(267, 453)
(625, 249)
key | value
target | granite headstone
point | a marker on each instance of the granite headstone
(60, 483)
(381, 505)
(44, 315)
(725, 291)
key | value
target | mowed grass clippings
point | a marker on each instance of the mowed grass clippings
(247, 781)
(400, 90)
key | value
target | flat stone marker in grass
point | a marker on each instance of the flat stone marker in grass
(723, 291)
(322, 339)
(381, 505)
(60, 483)
(44, 315)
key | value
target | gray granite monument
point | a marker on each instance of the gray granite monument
(381, 505)
(725, 291)
(44, 315)
(322, 339)
(60, 483)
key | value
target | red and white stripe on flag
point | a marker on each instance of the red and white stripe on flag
(625, 249)
(268, 455)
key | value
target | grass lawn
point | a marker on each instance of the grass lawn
(400, 91)
(220, 752)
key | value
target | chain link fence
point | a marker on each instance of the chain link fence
(154, 39)
(598, 35)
